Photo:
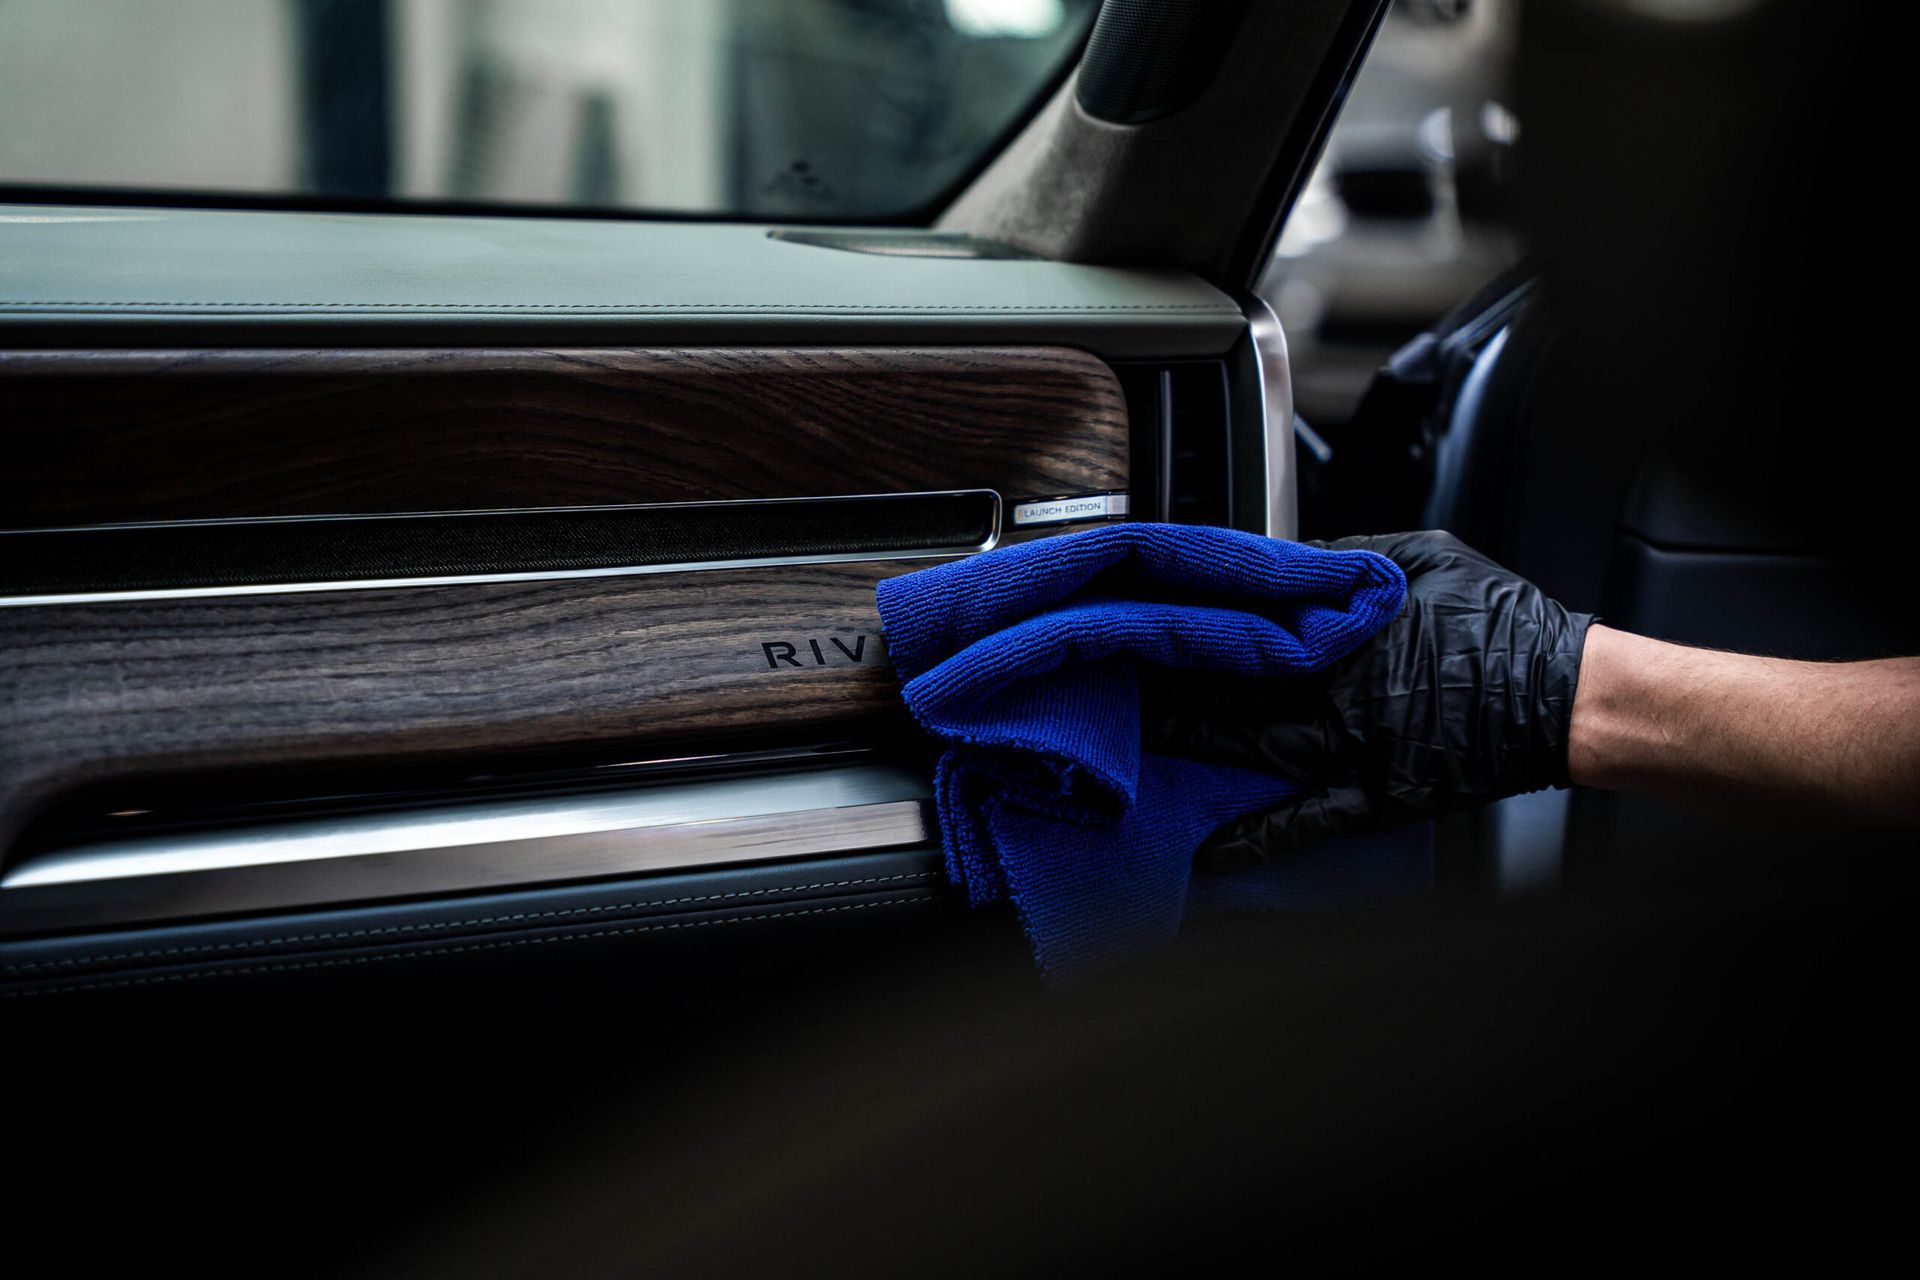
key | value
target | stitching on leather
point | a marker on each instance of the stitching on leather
(438, 926)
(880, 309)
(338, 961)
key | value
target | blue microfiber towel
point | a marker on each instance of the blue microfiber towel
(1024, 662)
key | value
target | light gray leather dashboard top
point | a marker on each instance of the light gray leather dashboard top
(266, 278)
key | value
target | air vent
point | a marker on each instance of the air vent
(289, 553)
(1183, 428)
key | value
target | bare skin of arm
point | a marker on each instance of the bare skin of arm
(1653, 716)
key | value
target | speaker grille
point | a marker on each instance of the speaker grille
(1149, 58)
(251, 553)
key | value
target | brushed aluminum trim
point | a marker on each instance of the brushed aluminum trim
(483, 845)
(1281, 514)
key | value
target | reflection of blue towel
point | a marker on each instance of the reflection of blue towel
(1023, 661)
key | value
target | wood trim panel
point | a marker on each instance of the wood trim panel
(94, 692)
(102, 437)
(98, 691)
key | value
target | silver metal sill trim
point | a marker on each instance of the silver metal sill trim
(485, 845)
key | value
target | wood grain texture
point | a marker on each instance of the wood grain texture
(97, 437)
(90, 693)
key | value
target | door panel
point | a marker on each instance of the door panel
(155, 471)
(323, 541)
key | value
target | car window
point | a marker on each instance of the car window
(830, 110)
(1410, 209)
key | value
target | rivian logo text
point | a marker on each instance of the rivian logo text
(821, 651)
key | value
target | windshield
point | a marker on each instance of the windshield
(818, 110)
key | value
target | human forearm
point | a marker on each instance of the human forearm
(1483, 687)
(1656, 716)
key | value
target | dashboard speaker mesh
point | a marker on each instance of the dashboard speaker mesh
(345, 549)
(1148, 58)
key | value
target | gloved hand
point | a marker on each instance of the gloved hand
(1464, 698)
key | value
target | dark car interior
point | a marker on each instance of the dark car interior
(560, 530)
(457, 817)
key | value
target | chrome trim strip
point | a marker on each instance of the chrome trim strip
(552, 575)
(464, 512)
(1092, 506)
(548, 575)
(1282, 514)
(484, 845)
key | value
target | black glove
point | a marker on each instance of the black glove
(1464, 698)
